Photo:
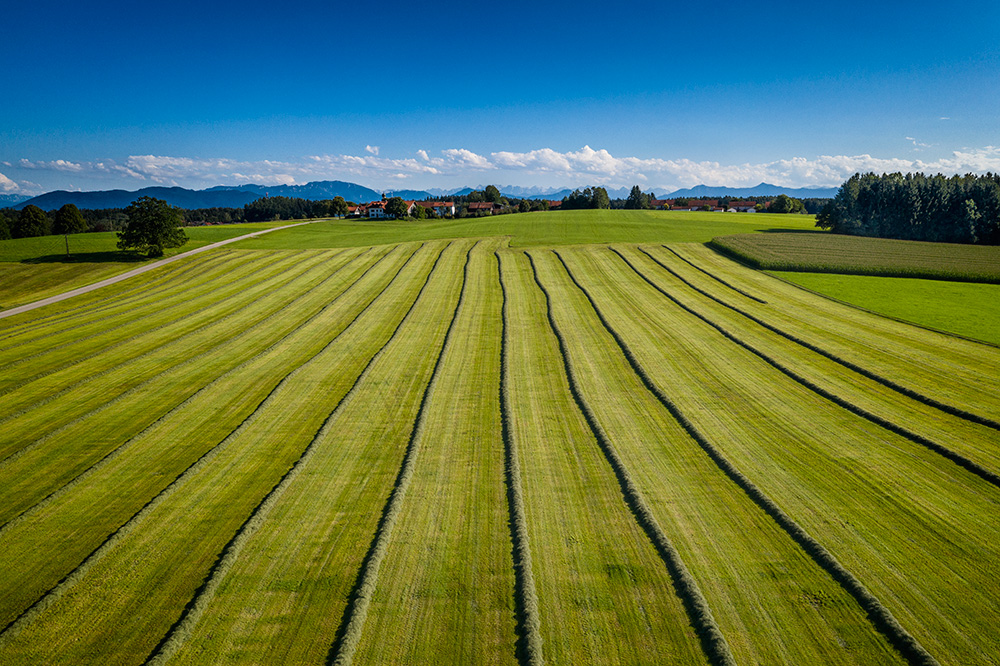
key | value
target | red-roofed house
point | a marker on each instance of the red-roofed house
(442, 208)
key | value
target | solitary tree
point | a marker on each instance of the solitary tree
(491, 194)
(30, 222)
(153, 225)
(69, 220)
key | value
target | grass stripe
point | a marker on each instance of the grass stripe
(715, 277)
(888, 383)
(287, 380)
(200, 393)
(526, 597)
(345, 645)
(713, 642)
(955, 457)
(879, 615)
(179, 632)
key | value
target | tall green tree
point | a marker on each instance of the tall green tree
(491, 194)
(30, 222)
(153, 225)
(4, 226)
(599, 198)
(69, 220)
(338, 207)
(637, 200)
(395, 207)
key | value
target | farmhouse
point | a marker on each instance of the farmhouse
(482, 208)
(442, 208)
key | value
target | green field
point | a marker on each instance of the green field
(962, 308)
(820, 252)
(500, 442)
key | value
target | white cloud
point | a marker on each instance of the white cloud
(372, 149)
(8, 186)
(544, 166)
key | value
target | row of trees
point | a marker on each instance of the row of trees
(591, 197)
(956, 209)
(32, 221)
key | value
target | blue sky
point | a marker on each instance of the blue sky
(445, 94)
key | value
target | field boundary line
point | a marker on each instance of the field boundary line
(713, 276)
(126, 444)
(137, 271)
(957, 458)
(526, 595)
(880, 616)
(888, 383)
(180, 631)
(71, 578)
(349, 633)
(713, 642)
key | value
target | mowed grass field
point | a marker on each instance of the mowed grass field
(459, 450)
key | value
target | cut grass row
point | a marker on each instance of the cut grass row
(121, 367)
(857, 255)
(913, 527)
(950, 433)
(771, 601)
(446, 590)
(887, 348)
(120, 422)
(284, 598)
(180, 534)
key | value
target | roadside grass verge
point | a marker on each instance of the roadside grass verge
(771, 600)
(855, 255)
(35, 268)
(915, 529)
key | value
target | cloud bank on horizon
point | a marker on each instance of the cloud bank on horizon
(457, 167)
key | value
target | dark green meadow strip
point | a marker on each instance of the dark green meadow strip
(145, 295)
(715, 277)
(878, 614)
(90, 304)
(526, 598)
(200, 393)
(14, 588)
(713, 642)
(249, 296)
(345, 645)
(179, 632)
(953, 456)
(888, 383)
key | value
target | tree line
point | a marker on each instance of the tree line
(956, 209)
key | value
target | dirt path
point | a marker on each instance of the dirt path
(136, 271)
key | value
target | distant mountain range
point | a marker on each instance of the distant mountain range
(224, 196)
(762, 190)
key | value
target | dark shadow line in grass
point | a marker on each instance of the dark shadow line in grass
(888, 383)
(879, 616)
(710, 636)
(178, 632)
(351, 627)
(529, 638)
(39, 603)
(957, 458)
